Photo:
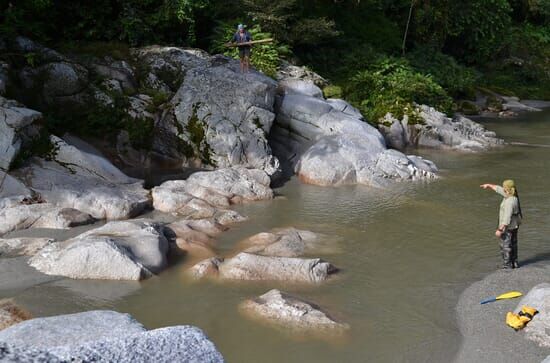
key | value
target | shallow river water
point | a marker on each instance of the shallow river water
(405, 254)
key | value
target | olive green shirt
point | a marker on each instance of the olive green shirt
(509, 210)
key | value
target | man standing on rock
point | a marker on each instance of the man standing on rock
(508, 223)
(243, 36)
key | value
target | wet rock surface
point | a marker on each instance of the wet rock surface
(291, 313)
(284, 242)
(251, 267)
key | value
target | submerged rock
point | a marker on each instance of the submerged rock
(80, 179)
(288, 312)
(286, 242)
(124, 250)
(328, 143)
(11, 314)
(103, 336)
(538, 329)
(195, 237)
(246, 266)
(42, 215)
(439, 131)
(26, 246)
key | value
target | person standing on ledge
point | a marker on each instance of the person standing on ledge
(243, 36)
(508, 222)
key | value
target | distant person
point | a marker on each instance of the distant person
(243, 36)
(508, 222)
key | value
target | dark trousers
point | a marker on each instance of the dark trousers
(509, 248)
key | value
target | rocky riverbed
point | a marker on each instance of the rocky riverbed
(244, 132)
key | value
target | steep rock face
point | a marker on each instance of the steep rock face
(328, 143)
(15, 127)
(137, 248)
(288, 312)
(85, 181)
(223, 116)
(438, 131)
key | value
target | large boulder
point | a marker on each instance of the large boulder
(291, 313)
(438, 131)
(122, 250)
(71, 330)
(329, 143)
(40, 215)
(83, 180)
(164, 67)
(538, 329)
(221, 118)
(105, 336)
(287, 71)
(251, 267)
(15, 127)
(283, 242)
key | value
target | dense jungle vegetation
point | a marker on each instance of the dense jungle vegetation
(383, 55)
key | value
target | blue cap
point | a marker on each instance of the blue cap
(240, 26)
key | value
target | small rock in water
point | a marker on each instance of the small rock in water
(286, 242)
(195, 237)
(250, 267)
(288, 312)
(11, 314)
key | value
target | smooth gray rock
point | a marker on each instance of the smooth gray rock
(27, 246)
(87, 182)
(287, 70)
(328, 143)
(283, 242)
(291, 314)
(298, 86)
(71, 330)
(223, 116)
(122, 250)
(538, 329)
(345, 107)
(12, 187)
(15, 121)
(207, 194)
(438, 131)
(251, 267)
(42, 215)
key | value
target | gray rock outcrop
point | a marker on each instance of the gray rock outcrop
(103, 336)
(221, 117)
(122, 250)
(251, 267)
(290, 313)
(82, 180)
(328, 143)
(438, 131)
(208, 194)
(15, 127)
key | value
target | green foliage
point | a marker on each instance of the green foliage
(459, 81)
(392, 86)
(332, 91)
(40, 146)
(197, 135)
(265, 57)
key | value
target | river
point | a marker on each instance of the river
(406, 254)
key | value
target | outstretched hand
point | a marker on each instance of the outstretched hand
(486, 186)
